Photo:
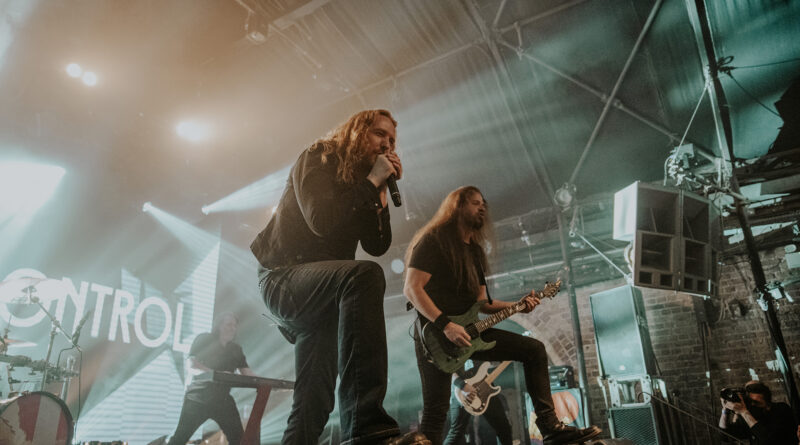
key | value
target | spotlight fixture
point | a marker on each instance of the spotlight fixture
(398, 266)
(89, 78)
(74, 70)
(205, 210)
(147, 206)
(193, 131)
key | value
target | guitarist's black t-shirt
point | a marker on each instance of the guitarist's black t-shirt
(448, 292)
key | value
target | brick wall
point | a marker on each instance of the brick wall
(739, 344)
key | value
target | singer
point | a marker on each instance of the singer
(324, 301)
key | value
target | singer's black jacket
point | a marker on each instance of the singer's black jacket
(319, 218)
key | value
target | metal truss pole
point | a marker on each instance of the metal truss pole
(705, 42)
(514, 103)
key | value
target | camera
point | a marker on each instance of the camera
(732, 394)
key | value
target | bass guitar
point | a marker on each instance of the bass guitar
(450, 357)
(476, 401)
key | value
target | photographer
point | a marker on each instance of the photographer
(749, 413)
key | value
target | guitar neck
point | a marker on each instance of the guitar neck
(497, 317)
(500, 368)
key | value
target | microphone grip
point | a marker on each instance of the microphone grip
(391, 182)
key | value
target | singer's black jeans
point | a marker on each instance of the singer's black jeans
(510, 346)
(333, 313)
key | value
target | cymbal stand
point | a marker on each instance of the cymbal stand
(3, 350)
(56, 327)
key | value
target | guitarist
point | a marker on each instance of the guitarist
(446, 261)
(460, 419)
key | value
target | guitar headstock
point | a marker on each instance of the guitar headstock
(550, 289)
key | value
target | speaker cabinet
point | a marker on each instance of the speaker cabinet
(621, 332)
(638, 424)
(673, 234)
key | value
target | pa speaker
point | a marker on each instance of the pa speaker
(673, 234)
(621, 333)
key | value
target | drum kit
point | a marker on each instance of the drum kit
(27, 415)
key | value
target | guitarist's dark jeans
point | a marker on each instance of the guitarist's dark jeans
(510, 346)
(460, 419)
(333, 313)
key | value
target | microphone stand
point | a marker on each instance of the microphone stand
(56, 327)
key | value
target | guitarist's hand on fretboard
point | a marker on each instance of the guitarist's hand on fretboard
(457, 334)
(531, 301)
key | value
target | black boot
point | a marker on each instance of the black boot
(559, 433)
(412, 438)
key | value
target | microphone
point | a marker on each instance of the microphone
(391, 182)
(77, 334)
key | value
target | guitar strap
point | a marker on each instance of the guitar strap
(418, 328)
(483, 278)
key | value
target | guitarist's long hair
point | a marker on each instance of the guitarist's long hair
(444, 227)
(346, 143)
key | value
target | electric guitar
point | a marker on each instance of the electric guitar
(449, 357)
(476, 401)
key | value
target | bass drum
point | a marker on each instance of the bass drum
(35, 418)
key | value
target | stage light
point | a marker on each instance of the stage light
(89, 78)
(74, 70)
(147, 206)
(205, 210)
(26, 186)
(397, 266)
(193, 131)
(263, 193)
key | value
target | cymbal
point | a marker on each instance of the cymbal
(16, 360)
(16, 290)
(22, 282)
(18, 343)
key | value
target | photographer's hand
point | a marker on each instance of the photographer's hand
(740, 408)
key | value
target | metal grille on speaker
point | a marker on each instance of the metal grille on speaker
(636, 423)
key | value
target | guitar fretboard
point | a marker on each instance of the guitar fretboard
(497, 317)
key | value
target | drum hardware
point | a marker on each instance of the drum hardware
(56, 327)
(68, 369)
(22, 291)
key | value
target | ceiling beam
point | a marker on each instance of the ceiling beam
(615, 90)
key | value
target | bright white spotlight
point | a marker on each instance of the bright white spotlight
(398, 266)
(147, 206)
(26, 186)
(193, 131)
(205, 210)
(74, 70)
(89, 78)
